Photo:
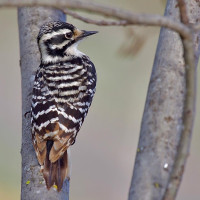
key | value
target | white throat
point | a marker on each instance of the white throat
(73, 50)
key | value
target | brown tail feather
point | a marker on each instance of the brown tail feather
(55, 173)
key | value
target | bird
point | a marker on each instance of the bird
(63, 90)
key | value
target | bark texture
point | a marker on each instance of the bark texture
(162, 118)
(30, 20)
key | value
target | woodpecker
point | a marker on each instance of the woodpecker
(64, 86)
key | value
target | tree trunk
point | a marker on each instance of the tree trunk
(30, 20)
(162, 118)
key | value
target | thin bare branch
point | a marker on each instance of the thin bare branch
(117, 13)
(188, 110)
(97, 22)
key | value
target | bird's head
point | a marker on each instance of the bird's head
(57, 39)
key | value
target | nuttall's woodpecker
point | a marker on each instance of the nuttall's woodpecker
(63, 90)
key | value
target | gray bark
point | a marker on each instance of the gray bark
(162, 119)
(30, 20)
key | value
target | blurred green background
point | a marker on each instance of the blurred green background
(104, 153)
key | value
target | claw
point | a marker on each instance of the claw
(25, 115)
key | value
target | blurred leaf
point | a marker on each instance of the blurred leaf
(133, 43)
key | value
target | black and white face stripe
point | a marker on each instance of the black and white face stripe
(55, 44)
(56, 40)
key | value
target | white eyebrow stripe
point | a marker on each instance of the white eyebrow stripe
(48, 36)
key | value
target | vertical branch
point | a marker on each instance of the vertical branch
(163, 120)
(188, 110)
(188, 120)
(30, 20)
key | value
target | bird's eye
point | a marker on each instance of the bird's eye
(68, 35)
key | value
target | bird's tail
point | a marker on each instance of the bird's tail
(55, 173)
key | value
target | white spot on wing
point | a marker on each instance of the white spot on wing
(50, 134)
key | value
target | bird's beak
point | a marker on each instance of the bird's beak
(82, 34)
(87, 33)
